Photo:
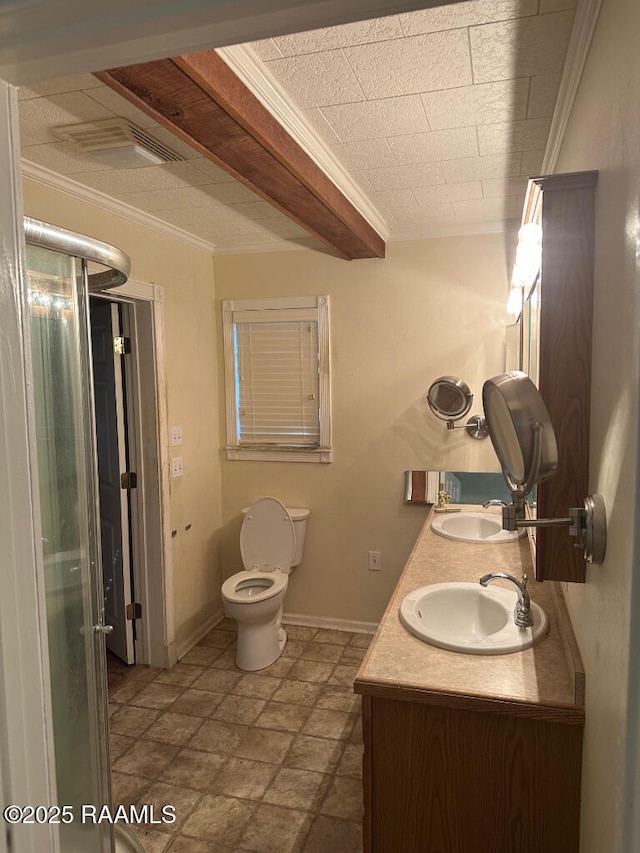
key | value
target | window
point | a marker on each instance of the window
(276, 354)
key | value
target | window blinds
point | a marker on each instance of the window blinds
(277, 384)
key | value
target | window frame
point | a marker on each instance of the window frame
(276, 453)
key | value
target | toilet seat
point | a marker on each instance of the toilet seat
(251, 587)
(267, 537)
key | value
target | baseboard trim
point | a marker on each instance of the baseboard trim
(330, 623)
(186, 645)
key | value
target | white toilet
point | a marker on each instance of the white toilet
(271, 542)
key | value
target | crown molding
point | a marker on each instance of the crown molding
(584, 25)
(67, 185)
(258, 79)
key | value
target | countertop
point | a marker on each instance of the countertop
(539, 682)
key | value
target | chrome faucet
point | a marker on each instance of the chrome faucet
(522, 615)
(493, 502)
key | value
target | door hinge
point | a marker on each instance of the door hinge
(121, 345)
(134, 610)
(129, 480)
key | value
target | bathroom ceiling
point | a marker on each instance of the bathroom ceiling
(429, 121)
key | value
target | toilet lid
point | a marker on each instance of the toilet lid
(267, 537)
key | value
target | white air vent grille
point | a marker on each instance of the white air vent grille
(113, 133)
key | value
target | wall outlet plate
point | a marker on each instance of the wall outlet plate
(176, 467)
(176, 436)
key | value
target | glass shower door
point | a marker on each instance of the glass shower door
(66, 475)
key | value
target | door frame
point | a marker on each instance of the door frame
(148, 438)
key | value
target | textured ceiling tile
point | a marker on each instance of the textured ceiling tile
(486, 210)
(365, 154)
(481, 168)
(315, 120)
(120, 107)
(448, 192)
(503, 101)
(360, 32)
(65, 158)
(504, 187)
(435, 145)
(399, 177)
(77, 83)
(148, 178)
(369, 119)
(317, 79)
(406, 66)
(266, 49)
(392, 200)
(531, 163)
(434, 215)
(39, 114)
(543, 94)
(465, 15)
(214, 173)
(513, 136)
(520, 48)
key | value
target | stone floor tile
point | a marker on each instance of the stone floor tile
(293, 648)
(329, 835)
(158, 696)
(174, 728)
(243, 778)
(132, 721)
(344, 799)
(329, 724)
(217, 680)
(117, 745)
(280, 669)
(265, 745)
(126, 691)
(298, 789)
(339, 698)
(159, 795)
(152, 840)
(356, 734)
(300, 632)
(344, 674)
(273, 829)
(352, 655)
(201, 655)
(217, 638)
(257, 686)
(351, 762)
(146, 758)
(126, 789)
(182, 674)
(311, 670)
(219, 819)
(188, 844)
(239, 709)
(313, 753)
(228, 624)
(193, 768)
(198, 703)
(298, 692)
(218, 736)
(327, 652)
(283, 717)
(361, 641)
(226, 660)
(326, 635)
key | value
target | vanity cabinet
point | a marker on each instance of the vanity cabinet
(454, 779)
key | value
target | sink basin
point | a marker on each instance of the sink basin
(478, 527)
(468, 618)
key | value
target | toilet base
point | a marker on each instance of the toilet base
(260, 645)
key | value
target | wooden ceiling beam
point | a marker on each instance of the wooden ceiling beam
(200, 99)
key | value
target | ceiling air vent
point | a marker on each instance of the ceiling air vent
(118, 143)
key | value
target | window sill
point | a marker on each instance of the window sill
(257, 454)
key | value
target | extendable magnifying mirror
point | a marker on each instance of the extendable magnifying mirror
(524, 441)
(450, 399)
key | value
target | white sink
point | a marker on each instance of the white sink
(479, 527)
(465, 617)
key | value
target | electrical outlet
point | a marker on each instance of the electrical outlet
(374, 561)
(176, 436)
(176, 466)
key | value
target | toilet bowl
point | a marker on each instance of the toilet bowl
(271, 542)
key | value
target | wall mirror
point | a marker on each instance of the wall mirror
(464, 487)
(450, 399)
(524, 441)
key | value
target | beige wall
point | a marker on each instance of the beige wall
(604, 134)
(430, 308)
(190, 328)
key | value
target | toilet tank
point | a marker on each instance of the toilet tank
(299, 516)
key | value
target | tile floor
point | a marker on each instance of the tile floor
(266, 762)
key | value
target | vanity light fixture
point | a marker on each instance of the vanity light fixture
(450, 399)
(524, 441)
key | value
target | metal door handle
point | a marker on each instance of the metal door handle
(103, 629)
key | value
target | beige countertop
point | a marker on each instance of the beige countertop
(539, 682)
